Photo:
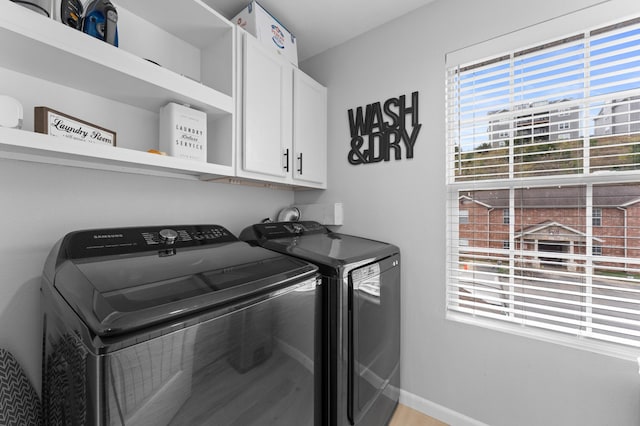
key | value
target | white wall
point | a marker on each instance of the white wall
(40, 203)
(495, 378)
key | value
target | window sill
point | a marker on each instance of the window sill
(575, 342)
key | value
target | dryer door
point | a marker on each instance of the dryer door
(373, 337)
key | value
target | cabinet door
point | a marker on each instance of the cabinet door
(309, 130)
(267, 96)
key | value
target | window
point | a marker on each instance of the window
(596, 217)
(538, 257)
(464, 216)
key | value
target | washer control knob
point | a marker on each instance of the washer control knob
(168, 236)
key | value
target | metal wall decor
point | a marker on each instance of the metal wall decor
(384, 131)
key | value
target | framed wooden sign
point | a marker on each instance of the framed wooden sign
(56, 123)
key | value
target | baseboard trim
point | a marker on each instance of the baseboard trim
(437, 411)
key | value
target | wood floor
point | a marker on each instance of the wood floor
(405, 416)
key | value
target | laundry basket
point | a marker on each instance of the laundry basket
(19, 402)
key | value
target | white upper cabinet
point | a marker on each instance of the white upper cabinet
(309, 130)
(181, 54)
(282, 125)
(267, 97)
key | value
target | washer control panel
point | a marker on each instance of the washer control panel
(114, 241)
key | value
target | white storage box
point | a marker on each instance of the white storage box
(183, 132)
(261, 24)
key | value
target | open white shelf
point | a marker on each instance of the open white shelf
(41, 47)
(192, 21)
(193, 44)
(36, 147)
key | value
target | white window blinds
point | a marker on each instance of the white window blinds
(568, 107)
(544, 159)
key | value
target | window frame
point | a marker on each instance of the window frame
(593, 17)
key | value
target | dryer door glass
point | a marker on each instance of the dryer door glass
(373, 335)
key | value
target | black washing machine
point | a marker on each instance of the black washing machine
(178, 325)
(360, 316)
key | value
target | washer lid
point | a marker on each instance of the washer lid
(316, 243)
(119, 280)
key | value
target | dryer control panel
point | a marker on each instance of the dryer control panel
(273, 230)
(115, 241)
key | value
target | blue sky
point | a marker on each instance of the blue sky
(555, 74)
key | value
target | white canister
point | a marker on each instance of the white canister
(11, 112)
(183, 132)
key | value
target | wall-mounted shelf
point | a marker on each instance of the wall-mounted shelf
(195, 47)
(27, 146)
(35, 45)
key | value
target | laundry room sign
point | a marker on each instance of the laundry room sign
(382, 131)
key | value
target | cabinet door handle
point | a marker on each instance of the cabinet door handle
(286, 160)
(300, 158)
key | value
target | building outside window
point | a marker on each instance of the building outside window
(552, 229)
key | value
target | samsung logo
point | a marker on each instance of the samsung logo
(101, 236)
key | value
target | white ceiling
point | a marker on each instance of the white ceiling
(322, 24)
